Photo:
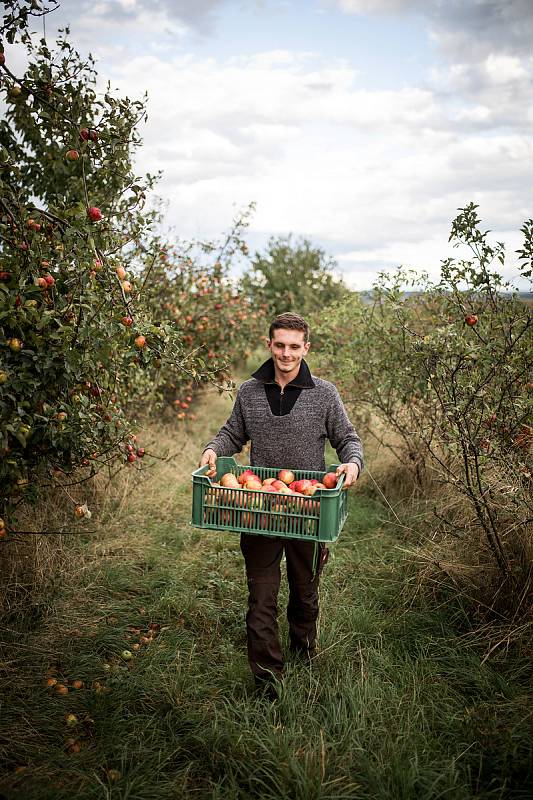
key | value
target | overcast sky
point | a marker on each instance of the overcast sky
(360, 124)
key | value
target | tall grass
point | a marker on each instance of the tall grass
(397, 703)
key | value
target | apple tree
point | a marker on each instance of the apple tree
(293, 276)
(74, 337)
(448, 370)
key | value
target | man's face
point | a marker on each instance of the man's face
(287, 348)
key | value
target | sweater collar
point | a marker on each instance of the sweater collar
(266, 374)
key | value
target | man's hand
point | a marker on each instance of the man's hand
(351, 471)
(209, 457)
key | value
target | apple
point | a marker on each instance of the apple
(61, 416)
(41, 283)
(94, 214)
(269, 481)
(132, 457)
(253, 483)
(127, 321)
(245, 475)
(77, 684)
(126, 287)
(330, 480)
(140, 452)
(121, 272)
(61, 689)
(2, 59)
(471, 320)
(72, 155)
(127, 655)
(84, 134)
(140, 342)
(15, 345)
(286, 476)
(229, 481)
(3, 377)
(93, 135)
(300, 485)
(15, 90)
(50, 280)
(71, 720)
(5, 276)
(2, 524)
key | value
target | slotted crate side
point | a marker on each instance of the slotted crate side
(267, 514)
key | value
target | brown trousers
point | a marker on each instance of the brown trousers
(262, 557)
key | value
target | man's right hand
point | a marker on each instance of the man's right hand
(209, 457)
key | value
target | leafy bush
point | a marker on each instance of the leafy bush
(449, 370)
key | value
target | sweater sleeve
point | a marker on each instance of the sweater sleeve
(232, 436)
(342, 434)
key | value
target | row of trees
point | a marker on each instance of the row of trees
(443, 378)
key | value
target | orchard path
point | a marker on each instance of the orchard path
(396, 705)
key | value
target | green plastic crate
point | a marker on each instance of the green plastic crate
(318, 518)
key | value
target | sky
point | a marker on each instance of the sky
(361, 125)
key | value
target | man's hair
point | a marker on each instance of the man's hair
(289, 321)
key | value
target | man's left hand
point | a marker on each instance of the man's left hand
(351, 471)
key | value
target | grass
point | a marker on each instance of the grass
(397, 703)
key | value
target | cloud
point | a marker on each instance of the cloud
(375, 176)
(199, 15)
(468, 31)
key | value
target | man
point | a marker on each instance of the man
(286, 413)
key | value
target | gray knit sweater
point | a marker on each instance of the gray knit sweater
(295, 440)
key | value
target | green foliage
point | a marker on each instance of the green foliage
(293, 277)
(90, 329)
(448, 370)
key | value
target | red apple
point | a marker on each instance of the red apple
(244, 476)
(140, 342)
(300, 485)
(329, 480)
(253, 483)
(471, 320)
(286, 476)
(41, 282)
(132, 457)
(5, 276)
(49, 280)
(140, 452)
(84, 134)
(72, 155)
(121, 272)
(94, 214)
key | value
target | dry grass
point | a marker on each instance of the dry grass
(33, 564)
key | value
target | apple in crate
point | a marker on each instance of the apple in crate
(243, 477)
(329, 480)
(286, 476)
(253, 482)
(229, 481)
(301, 485)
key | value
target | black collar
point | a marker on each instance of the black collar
(266, 374)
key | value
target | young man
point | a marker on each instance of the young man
(286, 413)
